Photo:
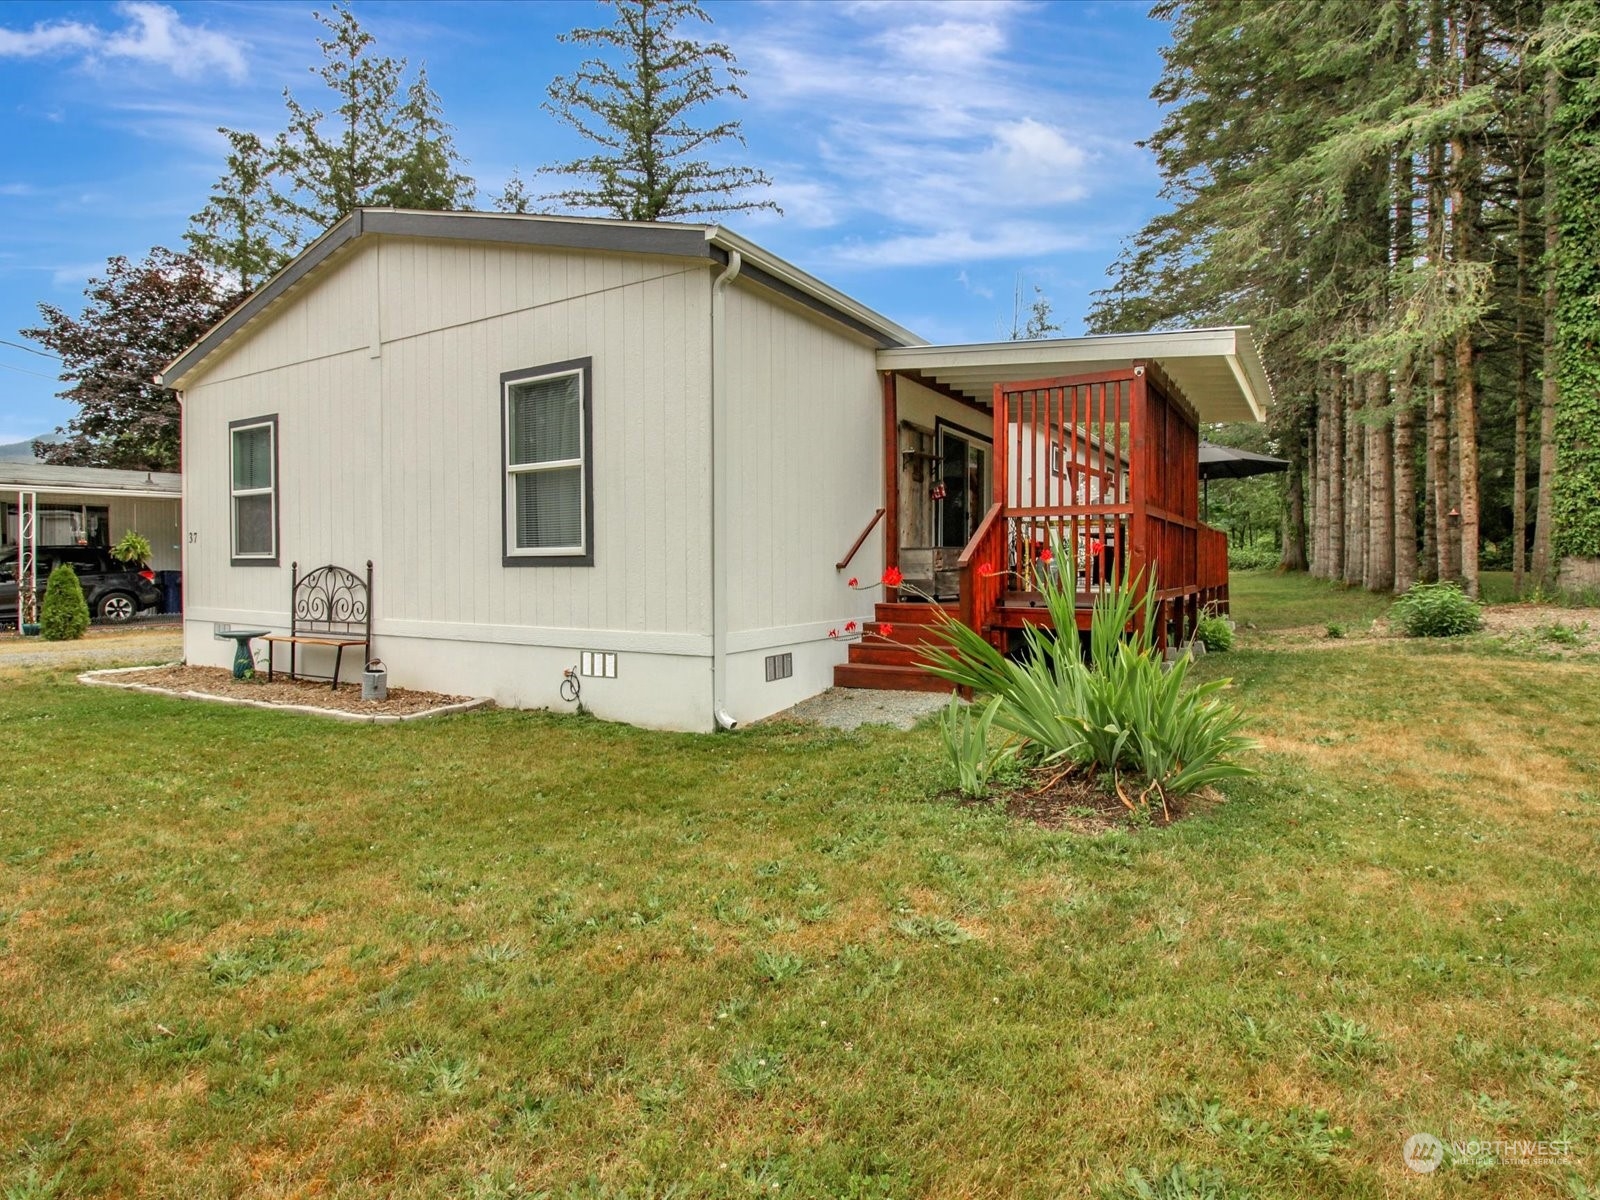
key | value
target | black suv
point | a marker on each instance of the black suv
(114, 590)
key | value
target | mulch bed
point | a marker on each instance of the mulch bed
(218, 681)
(1073, 800)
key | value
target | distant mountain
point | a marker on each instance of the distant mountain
(22, 451)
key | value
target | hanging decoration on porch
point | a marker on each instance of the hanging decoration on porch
(938, 492)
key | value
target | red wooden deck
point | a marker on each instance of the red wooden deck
(1105, 467)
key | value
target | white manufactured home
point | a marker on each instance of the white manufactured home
(653, 453)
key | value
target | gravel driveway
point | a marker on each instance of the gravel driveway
(98, 648)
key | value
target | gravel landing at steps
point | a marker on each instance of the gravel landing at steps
(850, 708)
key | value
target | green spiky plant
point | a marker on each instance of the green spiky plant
(1124, 713)
(964, 728)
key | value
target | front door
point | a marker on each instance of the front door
(964, 478)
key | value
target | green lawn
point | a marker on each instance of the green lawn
(244, 953)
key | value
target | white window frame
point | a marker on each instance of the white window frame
(253, 558)
(581, 554)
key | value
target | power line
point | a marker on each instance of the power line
(35, 374)
(29, 349)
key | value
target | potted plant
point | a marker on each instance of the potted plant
(133, 549)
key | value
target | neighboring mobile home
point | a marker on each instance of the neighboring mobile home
(659, 442)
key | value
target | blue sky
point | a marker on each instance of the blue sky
(926, 154)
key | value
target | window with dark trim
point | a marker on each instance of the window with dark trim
(253, 495)
(546, 422)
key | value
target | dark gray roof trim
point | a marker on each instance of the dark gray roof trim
(618, 237)
(319, 250)
(622, 237)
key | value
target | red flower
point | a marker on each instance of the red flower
(1046, 557)
(854, 582)
(1096, 546)
(893, 578)
(885, 630)
(850, 627)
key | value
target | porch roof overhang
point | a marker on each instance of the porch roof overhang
(1219, 371)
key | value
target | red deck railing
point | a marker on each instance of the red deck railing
(1107, 467)
(1213, 573)
(981, 569)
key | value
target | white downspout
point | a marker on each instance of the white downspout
(719, 495)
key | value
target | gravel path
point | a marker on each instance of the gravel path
(850, 708)
(98, 648)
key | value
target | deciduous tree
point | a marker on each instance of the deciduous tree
(137, 318)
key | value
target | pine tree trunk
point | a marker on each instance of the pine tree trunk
(1317, 490)
(1355, 487)
(1439, 458)
(1405, 482)
(1294, 529)
(1464, 210)
(1336, 468)
(1519, 447)
(1379, 573)
(1544, 511)
(1467, 439)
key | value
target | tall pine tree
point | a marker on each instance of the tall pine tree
(637, 103)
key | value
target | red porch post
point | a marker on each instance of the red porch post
(891, 478)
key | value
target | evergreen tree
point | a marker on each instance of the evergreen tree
(241, 230)
(64, 615)
(1365, 184)
(383, 144)
(138, 318)
(639, 114)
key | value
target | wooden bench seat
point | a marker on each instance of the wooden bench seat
(330, 606)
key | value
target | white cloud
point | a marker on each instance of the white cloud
(982, 291)
(152, 35)
(926, 127)
(959, 244)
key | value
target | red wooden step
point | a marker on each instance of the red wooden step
(886, 654)
(904, 634)
(922, 614)
(890, 678)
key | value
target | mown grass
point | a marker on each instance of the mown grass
(513, 953)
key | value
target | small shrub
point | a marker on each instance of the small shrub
(1559, 634)
(1436, 610)
(1215, 633)
(65, 614)
(1262, 556)
(966, 741)
(1335, 630)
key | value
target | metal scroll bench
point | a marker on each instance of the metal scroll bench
(330, 606)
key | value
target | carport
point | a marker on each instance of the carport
(47, 505)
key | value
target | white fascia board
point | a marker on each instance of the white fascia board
(786, 272)
(981, 356)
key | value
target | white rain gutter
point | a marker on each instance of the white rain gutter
(719, 493)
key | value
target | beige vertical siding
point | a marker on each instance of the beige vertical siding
(158, 520)
(805, 475)
(385, 375)
(920, 411)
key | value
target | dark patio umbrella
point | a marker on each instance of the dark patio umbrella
(1227, 462)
